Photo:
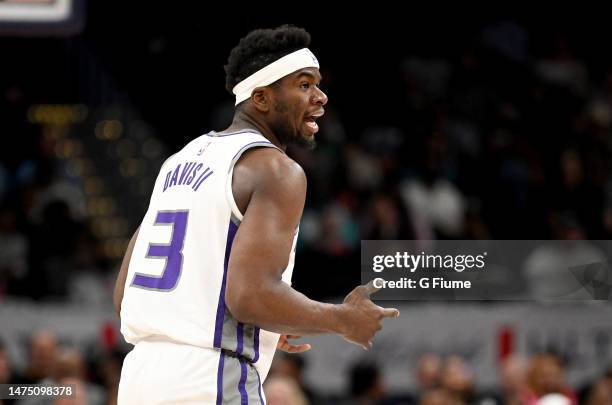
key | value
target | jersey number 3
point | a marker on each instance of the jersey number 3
(172, 253)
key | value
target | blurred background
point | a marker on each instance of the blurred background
(438, 127)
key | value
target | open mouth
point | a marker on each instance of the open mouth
(311, 121)
(312, 124)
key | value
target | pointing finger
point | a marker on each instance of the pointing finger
(390, 313)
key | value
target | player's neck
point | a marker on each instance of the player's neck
(243, 120)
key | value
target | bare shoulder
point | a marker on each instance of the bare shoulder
(270, 169)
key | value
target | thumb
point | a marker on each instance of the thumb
(370, 289)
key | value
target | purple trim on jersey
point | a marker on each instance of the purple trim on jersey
(245, 147)
(250, 131)
(256, 344)
(231, 232)
(241, 385)
(220, 379)
(239, 335)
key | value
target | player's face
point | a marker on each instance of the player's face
(298, 103)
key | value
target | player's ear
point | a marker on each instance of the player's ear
(262, 98)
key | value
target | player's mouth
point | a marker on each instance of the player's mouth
(311, 121)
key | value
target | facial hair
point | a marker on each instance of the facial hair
(285, 132)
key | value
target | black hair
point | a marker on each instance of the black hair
(298, 361)
(364, 376)
(261, 47)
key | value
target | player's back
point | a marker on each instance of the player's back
(176, 277)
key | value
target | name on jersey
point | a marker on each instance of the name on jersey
(187, 174)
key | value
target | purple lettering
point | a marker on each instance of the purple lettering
(193, 174)
(186, 169)
(174, 176)
(189, 172)
(200, 181)
(167, 180)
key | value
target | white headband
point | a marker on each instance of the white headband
(297, 60)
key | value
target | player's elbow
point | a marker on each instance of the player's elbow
(241, 303)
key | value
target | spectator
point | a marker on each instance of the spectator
(43, 351)
(292, 366)
(366, 385)
(546, 376)
(458, 380)
(14, 252)
(283, 391)
(438, 396)
(513, 379)
(428, 371)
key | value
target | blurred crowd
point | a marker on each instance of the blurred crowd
(507, 138)
(49, 251)
(94, 373)
(538, 380)
(437, 380)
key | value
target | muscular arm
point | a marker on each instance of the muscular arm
(121, 277)
(255, 293)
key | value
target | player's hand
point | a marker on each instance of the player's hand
(284, 345)
(361, 317)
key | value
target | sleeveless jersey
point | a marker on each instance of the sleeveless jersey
(175, 287)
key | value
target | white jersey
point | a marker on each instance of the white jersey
(175, 287)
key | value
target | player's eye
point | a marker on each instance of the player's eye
(305, 85)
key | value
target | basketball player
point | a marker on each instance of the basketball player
(204, 289)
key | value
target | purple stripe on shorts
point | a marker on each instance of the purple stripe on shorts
(256, 344)
(231, 232)
(259, 387)
(244, 398)
(220, 380)
(239, 334)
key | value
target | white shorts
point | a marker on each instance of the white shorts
(160, 372)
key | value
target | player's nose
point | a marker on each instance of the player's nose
(320, 97)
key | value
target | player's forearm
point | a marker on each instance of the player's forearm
(277, 307)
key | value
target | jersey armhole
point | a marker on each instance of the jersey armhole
(229, 195)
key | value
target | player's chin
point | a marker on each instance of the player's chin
(306, 139)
